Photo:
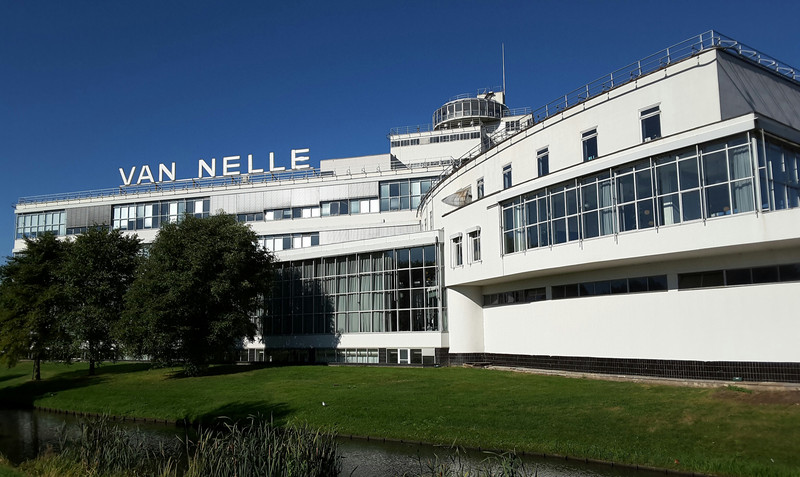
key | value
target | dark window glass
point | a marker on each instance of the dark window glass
(543, 163)
(651, 126)
(738, 277)
(602, 288)
(790, 272)
(765, 274)
(691, 205)
(402, 258)
(619, 286)
(636, 285)
(559, 291)
(717, 201)
(586, 289)
(657, 283)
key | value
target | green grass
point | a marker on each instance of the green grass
(720, 431)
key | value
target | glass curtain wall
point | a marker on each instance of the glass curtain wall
(701, 182)
(386, 291)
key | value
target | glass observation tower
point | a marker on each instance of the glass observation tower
(470, 110)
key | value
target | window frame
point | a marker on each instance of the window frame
(589, 136)
(508, 181)
(543, 161)
(653, 111)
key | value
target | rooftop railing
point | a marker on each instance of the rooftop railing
(242, 180)
(424, 128)
(657, 61)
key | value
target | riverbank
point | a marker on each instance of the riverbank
(727, 431)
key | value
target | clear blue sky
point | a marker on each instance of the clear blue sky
(88, 87)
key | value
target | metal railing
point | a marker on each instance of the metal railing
(657, 61)
(478, 92)
(238, 181)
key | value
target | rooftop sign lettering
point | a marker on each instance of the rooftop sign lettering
(229, 165)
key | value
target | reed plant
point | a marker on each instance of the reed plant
(257, 447)
(254, 447)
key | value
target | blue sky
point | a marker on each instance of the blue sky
(89, 87)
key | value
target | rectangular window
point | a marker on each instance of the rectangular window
(480, 188)
(651, 123)
(507, 176)
(589, 139)
(475, 245)
(456, 249)
(543, 162)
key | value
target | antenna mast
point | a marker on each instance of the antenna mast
(503, 47)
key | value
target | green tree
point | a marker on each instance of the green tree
(98, 271)
(33, 304)
(196, 295)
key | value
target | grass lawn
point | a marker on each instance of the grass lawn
(722, 431)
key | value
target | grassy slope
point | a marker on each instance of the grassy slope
(705, 430)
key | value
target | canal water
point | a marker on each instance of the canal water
(25, 433)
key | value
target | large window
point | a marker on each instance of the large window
(779, 172)
(589, 139)
(35, 224)
(404, 194)
(651, 123)
(385, 291)
(152, 215)
(701, 182)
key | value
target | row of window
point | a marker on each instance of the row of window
(34, 224)
(740, 276)
(152, 215)
(704, 181)
(276, 243)
(528, 295)
(473, 244)
(83, 230)
(393, 195)
(437, 139)
(574, 290)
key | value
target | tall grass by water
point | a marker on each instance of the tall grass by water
(254, 447)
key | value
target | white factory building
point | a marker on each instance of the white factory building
(645, 223)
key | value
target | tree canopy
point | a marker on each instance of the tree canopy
(199, 292)
(33, 304)
(97, 272)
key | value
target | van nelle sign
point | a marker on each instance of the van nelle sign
(231, 166)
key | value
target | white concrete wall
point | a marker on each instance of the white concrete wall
(747, 323)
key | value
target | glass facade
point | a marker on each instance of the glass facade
(705, 181)
(404, 194)
(387, 291)
(468, 108)
(35, 224)
(778, 166)
(151, 215)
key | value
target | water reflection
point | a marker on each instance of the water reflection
(25, 433)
